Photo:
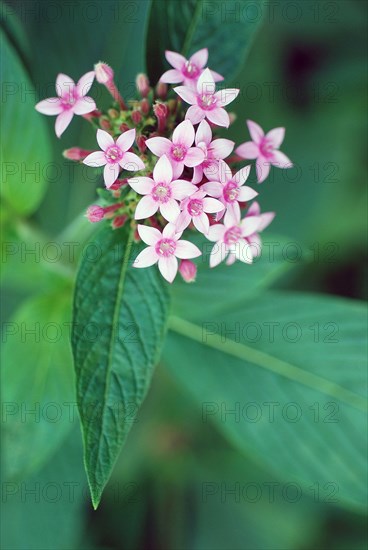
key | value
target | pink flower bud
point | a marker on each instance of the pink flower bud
(141, 143)
(95, 213)
(161, 90)
(188, 270)
(123, 127)
(75, 153)
(145, 106)
(119, 221)
(136, 117)
(104, 73)
(113, 113)
(160, 110)
(105, 123)
(143, 85)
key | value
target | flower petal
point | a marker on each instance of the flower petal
(183, 220)
(248, 150)
(149, 235)
(84, 83)
(224, 97)
(64, 84)
(170, 210)
(263, 169)
(221, 148)
(194, 156)
(173, 76)
(218, 253)
(280, 160)
(250, 225)
(168, 268)
(175, 59)
(254, 209)
(163, 172)
(275, 137)
(187, 94)
(184, 134)
(50, 106)
(243, 252)
(95, 159)
(195, 114)
(126, 140)
(145, 208)
(225, 172)
(216, 76)
(146, 258)
(255, 131)
(200, 58)
(212, 205)
(185, 250)
(62, 122)
(141, 185)
(104, 139)
(204, 133)
(182, 189)
(197, 174)
(265, 220)
(159, 146)
(201, 223)
(216, 232)
(219, 117)
(213, 188)
(242, 175)
(246, 193)
(131, 162)
(84, 105)
(111, 174)
(206, 84)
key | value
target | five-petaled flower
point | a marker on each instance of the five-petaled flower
(179, 151)
(164, 248)
(230, 190)
(213, 152)
(161, 192)
(187, 70)
(231, 239)
(206, 102)
(71, 100)
(264, 148)
(195, 209)
(115, 155)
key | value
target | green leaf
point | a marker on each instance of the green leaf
(38, 393)
(230, 285)
(225, 28)
(310, 365)
(24, 158)
(120, 317)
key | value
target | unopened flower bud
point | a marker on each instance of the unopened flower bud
(188, 270)
(104, 73)
(160, 110)
(75, 153)
(113, 113)
(95, 213)
(143, 85)
(105, 123)
(123, 127)
(119, 221)
(161, 90)
(136, 117)
(145, 106)
(232, 117)
(141, 143)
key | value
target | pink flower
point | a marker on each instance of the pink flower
(187, 71)
(264, 148)
(179, 151)
(231, 239)
(161, 193)
(194, 208)
(114, 155)
(206, 102)
(71, 100)
(164, 248)
(264, 221)
(230, 189)
(213, 152)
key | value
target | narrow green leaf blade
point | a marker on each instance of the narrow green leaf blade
(120, 317)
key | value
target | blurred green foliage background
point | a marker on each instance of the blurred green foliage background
(306, 70)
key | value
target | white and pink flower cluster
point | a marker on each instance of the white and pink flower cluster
(183, 180)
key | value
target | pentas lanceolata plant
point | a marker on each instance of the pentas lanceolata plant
(164, 168)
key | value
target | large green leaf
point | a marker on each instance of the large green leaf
(310, 365)
(38, 393)
(225, 28)
(120, 316)
(24, 158)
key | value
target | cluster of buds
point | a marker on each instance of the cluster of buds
(163, 167)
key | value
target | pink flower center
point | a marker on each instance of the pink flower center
(266, 148)
(113, 154)
(165, 247)
(195, 207)
(178, 152)
(231, 192)
(69, 99)
(232, 235)
(161, 192)
(190, 70)
(207, 101)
